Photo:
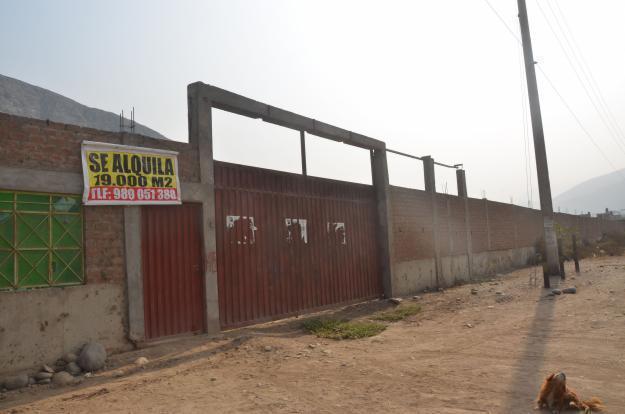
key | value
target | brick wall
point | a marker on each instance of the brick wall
(104, 244)
(49, 146)
(493, 226)
(412, 224)
(41, 145)
(69, 312)
(478, 219)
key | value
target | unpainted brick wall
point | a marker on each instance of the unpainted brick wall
(412, 224)
(493, 226)
(104, 244)
(50, 146)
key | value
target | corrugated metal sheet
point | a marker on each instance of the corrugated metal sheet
(288, 243)
(172, 270)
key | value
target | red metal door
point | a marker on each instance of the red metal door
(288, 243)
(173, 288)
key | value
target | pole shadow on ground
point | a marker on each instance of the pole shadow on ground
(528, 374)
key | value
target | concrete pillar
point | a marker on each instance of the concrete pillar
(487, 224)
(201, 136)
(379, 171)
(515, 213)
(461, 180)
(467, 228)
(428, 174)
(429, 177)
(134, 274)
(450, 238)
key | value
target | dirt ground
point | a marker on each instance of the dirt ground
(464, 353)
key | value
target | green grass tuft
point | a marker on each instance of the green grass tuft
(337, 329)
(399, 313)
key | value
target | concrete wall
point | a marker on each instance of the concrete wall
(434, 240)
(474, 238)
(38, 326)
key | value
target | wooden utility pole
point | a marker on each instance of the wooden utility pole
(544, 187)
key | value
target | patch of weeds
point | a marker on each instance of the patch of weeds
(341, 329)
(399, 313)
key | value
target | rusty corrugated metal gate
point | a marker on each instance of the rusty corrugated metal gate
(287, 243)
(173, 287)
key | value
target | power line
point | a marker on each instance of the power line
(585, 66)
(512, 32)
(568, 107)
(579, 78)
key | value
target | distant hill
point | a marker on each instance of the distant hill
(594, 195)
(23, 99)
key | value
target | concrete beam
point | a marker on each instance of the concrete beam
(201, 135)
(134, 273)
(238, 104)
(25, 179)
(379, 170)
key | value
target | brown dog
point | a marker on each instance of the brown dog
(555, 395)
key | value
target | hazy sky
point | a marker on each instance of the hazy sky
(438, 77)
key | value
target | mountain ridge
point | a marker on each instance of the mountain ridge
(24, 99)
(594, 195)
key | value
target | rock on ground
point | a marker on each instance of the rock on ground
(73, 368)
(47, 368)
(92, 357)
(69, 357)
(61, 379)
(42, 375)
(15, 382)
(141, 361)
(59, 365)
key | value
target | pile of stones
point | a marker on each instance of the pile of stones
(69, 369)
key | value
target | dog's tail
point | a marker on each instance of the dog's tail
(594, 404)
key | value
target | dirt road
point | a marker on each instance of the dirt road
(464, 353)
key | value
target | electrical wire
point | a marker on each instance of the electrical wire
(552, 85)
(583, 63)
(579, 78)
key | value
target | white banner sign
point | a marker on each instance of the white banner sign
(120, 174)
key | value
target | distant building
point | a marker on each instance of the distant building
(611, 215)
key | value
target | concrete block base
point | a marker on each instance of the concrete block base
(40, 325)
(411, 277)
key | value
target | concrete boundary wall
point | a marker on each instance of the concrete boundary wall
(469, 237)
(424, 239)
(39, 325)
